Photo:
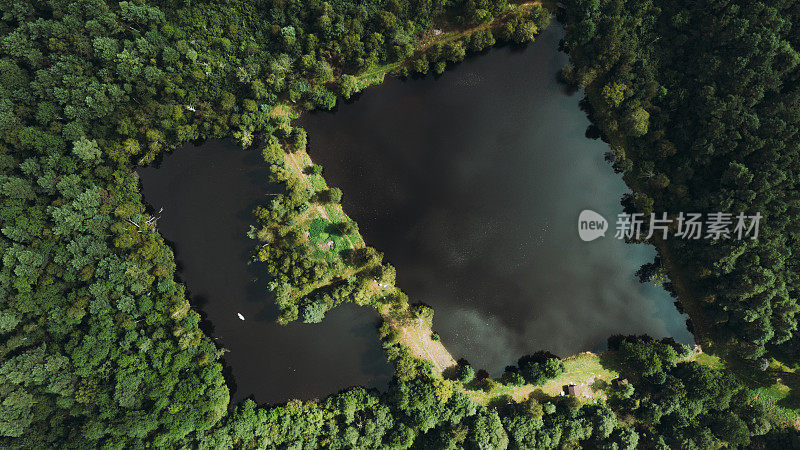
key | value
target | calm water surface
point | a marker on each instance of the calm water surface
(208, 194)
(471, 185)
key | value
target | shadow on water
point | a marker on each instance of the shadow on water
(471, 185)
(208, 193)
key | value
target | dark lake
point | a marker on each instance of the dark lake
(471, 185)
(208, 194)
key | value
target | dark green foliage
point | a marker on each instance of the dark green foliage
(306, 256)
(348, 227)
(333, 195)
(518, 24)
(414, 414)
(646, 357)
(699, 102)
(347, 86)
(316, 169)
(313, 312)
(99, 346)
(540, 367)
(533, 369)
(465, 373)
(512, 377)
(684, 403)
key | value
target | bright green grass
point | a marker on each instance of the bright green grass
(320, 231)
(578, 369)
(318, 182)
(317, 230)
(712, 361)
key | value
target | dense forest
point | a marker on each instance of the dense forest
(99, 345)
(678, 404)
(699, 102)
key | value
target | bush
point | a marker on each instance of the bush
(646, 357)
(349, 227)
(488, 384)
(512, 377)
(314, 169)
(540, 367)
(313, 312)
(465, 373)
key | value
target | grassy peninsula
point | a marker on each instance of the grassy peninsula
(101, 348)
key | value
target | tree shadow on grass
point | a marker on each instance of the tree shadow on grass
(792, 381)
(450, 373)
(599, 385)
(611, 360)
(540, 396)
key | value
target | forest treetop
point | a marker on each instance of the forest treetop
(98, 343)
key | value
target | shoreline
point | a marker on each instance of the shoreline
(414, 336)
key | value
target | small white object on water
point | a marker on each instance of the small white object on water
(240, 315)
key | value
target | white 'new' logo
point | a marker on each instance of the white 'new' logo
(591, 225)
